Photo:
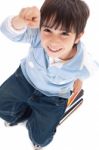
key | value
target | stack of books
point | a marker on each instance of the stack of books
(73, 103)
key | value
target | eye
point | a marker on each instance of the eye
(64, 34)
(47, 30)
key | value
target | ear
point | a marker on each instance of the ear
(79, 37)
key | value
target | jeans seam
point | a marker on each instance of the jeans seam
(30, 132)
(7, 112)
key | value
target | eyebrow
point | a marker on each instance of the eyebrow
(45, 26)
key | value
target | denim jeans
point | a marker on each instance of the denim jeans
(19, 102)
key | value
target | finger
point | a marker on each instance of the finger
(33, 24)
(32, 13)
(23, 12)
(77, 89)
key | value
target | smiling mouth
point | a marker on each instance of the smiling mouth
(54, 50)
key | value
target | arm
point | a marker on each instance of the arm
(77, 86)
(29, 16)
(76, 89)
(20, 27)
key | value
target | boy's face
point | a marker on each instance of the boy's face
(58, 43)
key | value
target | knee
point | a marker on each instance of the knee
(41, 138)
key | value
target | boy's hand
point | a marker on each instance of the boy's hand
(29, 16)
(77, 86)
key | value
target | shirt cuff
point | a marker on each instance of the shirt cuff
(14, 30)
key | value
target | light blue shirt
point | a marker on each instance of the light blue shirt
(50, 79)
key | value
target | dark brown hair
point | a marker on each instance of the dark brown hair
(69, 14)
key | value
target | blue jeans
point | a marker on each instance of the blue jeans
(19, 101)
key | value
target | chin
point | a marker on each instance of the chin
(52, 55)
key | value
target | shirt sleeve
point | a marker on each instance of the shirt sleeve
(26, 35)
(90, 67)
(12, 30)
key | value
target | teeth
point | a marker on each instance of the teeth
(54, 49)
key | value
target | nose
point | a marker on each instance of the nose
(54, 41)
(54, 38)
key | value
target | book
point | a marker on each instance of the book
(73, 103)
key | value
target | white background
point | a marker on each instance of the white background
(81, 130)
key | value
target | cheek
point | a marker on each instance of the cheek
(44, 40)
(69, 42)
(67, 45)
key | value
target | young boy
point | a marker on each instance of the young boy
(39, 89)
